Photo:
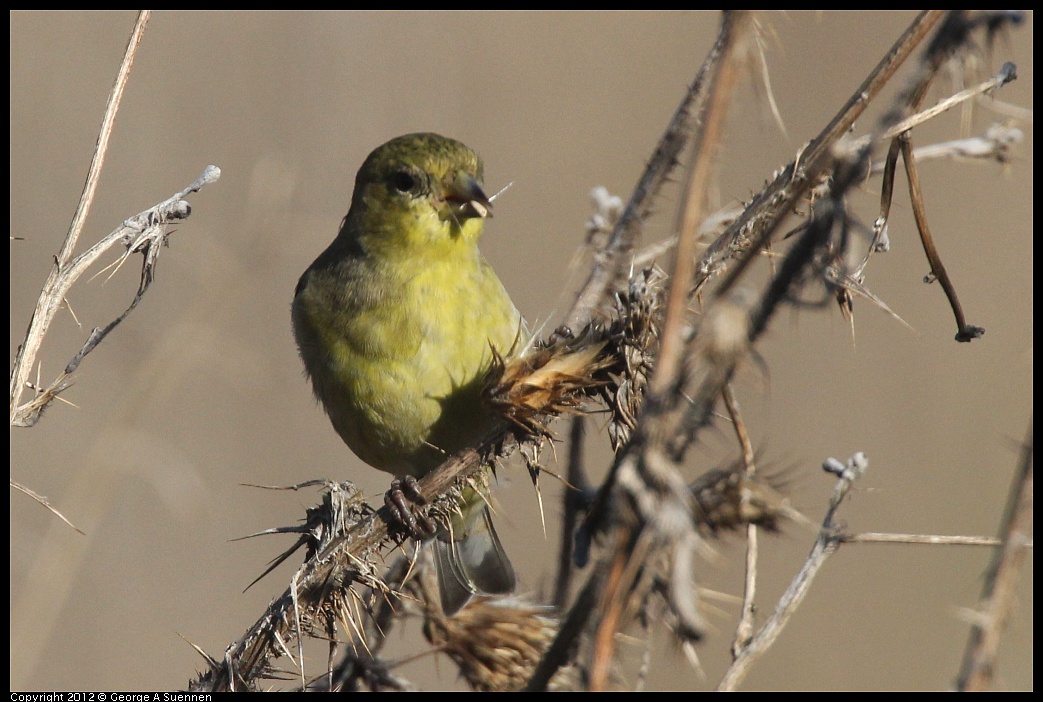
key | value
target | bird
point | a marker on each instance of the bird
(398, 322)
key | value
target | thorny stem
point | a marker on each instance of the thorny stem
(611, 261)
(756, 223)
(668, 363)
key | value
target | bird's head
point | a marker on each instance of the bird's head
(419, 190)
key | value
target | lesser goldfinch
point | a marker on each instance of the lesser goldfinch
(397, 322)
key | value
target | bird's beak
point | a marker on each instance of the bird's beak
(467, 195)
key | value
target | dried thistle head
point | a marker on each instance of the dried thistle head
(727, 498)
(343, 506)
(611, 359)
(496, 643)
(546, 381)
(340, 596)
(634, 340)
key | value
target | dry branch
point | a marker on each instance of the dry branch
(145, 233)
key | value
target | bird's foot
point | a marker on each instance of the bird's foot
(402, 499)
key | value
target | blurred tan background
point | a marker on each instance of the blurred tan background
(201, 390)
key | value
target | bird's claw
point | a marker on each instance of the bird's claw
(400, 499)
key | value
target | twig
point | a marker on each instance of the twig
(146, 233)
(67, 269)
(102, 147)
(571, 629)
(1005, 75)
(360, 664)
(825, 545)
(881, 242)
(932, 539)
(56, 286)
(46, 503)
(610, 607)
(979, 661)
(993, 144)
(343, 559)
(744, 628)
(964, 331)
(951, 35)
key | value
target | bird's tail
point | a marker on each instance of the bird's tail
(471, 561)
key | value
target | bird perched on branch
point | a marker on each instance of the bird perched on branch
(398, 321)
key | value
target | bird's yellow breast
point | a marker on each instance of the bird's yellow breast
(402, 349)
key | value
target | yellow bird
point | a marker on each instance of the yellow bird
(396, 322)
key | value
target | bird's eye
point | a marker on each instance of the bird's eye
(403, 181)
